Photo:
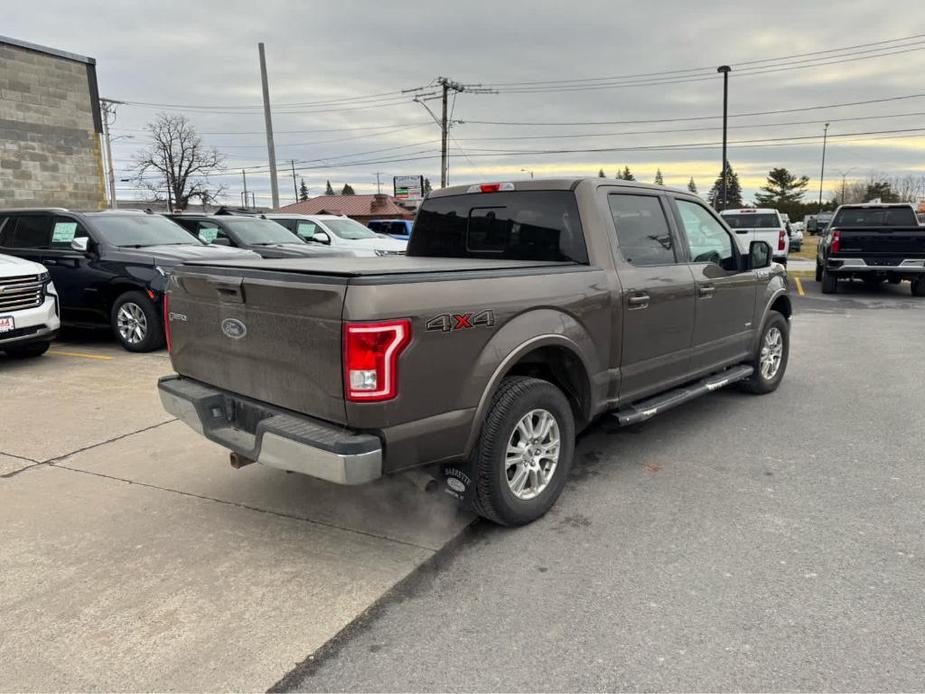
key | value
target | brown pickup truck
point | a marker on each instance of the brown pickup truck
(521, 313)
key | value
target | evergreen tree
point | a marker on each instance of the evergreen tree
(733, 190)
(691, 186)
(427, 186)
(782, 189)
(303, 191)
(328, 190)
(659, 181)
(347, 190)
(626, 175)
(601, 174)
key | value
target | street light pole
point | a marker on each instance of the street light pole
(724, 69)
(825, 135)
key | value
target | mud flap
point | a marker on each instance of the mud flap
(457, 482)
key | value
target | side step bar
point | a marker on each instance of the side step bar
(641, 411)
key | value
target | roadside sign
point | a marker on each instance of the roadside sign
(408, 187)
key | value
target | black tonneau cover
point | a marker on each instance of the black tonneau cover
(386, 265)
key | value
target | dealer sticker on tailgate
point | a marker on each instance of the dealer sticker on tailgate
(6, 324)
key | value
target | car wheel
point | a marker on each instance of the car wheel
(524, 454)
(33, 349)
(136, 323)
(770, 361)
(818, 272)
(918, 287)
(829, 282)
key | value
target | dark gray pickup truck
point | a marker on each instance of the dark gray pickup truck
(521, 313)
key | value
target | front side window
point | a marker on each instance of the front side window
(642, 229)
(209, 231)
(708, 241)
(64, 231)
(349, 229)
(306, 229)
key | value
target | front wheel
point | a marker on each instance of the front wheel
(136, 323)
(770, 361)
(524, 453)
(818, 272)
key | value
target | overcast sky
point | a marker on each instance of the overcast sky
(203, 54)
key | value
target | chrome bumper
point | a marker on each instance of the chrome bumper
(277, 438)
(860, 265)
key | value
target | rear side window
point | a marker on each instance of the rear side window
(29, 231)
(642, 229)
(529, 225)
(753, 221)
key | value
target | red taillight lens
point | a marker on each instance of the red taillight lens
(781, 239)
(836, 241)
(167, 319)
(371, 359)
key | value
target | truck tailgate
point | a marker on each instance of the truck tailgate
(898, 242)
(271, 338)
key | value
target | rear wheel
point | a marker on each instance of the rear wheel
(524, 453)
(770, 361)
(918, 287)
(136, 323)
(33, 349)
(829, 282)
(818, 272)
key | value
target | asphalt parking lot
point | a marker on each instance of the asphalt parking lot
(750, 543)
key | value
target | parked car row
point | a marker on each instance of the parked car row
(109, 268)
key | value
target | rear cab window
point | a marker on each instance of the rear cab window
(875, 217)
(752, 220)
(518, 225)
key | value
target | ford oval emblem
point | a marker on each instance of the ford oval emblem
(234, 328)
(457, 485)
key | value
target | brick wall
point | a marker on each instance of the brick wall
(49, 149)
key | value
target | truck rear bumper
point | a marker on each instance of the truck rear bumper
(277, 438)
(861, 265)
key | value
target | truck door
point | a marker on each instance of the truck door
(725, 303)
(658, 295)
(80, 277)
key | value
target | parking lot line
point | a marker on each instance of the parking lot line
(799, 286)
(82, 355)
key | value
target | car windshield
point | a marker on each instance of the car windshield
(259, 232)
(141, 230)
(349, 229)
(875, 217)
(752, 221)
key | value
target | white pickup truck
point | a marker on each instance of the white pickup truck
(759, 224)
(29, 309)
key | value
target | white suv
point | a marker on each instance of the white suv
(759, 224)
(29, 311)
(340, 233)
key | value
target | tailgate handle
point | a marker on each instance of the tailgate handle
(232, 292)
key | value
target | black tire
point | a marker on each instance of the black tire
(918, 287)
(829, 282)
(153, 328)
(757, 383)
(493, 496)
(33, 349)
(818, 272)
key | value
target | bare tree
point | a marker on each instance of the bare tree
(177, 162)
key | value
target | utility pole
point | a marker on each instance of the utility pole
(825, 135)
(295, 187)
(108, 108)
(842, 201)
(271, 149)
(445, 121)
(378, 185)
(724, 69)
(244, 176)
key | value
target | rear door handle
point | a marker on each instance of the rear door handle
(637, 301)
(706, 290)
(741, 231)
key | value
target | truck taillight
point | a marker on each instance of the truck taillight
(836, 241)
(371, 353)
(167, 319)
(781, 240)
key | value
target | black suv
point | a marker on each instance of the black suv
(109, 267)
(257, 234)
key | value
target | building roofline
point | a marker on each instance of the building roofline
(46, 50)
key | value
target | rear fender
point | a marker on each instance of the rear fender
(519, 337)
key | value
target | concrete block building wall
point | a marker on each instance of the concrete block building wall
(50, 152)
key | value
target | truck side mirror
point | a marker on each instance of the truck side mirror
(220, 241)
(80, 244)
(759, 255)
(321, 237)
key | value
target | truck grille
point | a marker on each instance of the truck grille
(17, 293)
